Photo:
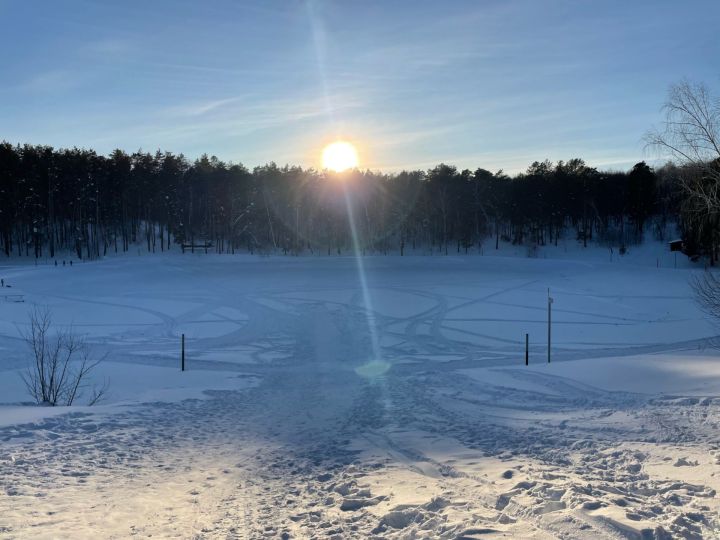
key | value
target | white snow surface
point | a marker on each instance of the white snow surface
(289, 423)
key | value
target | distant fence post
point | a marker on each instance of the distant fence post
(182, 353)
(527, 342)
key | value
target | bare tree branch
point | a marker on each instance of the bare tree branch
(61, 363)
(691, 136)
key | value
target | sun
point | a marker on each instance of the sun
(339, 156)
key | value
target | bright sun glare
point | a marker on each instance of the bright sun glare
(339, 156)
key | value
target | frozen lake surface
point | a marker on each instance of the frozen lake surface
(305, 415)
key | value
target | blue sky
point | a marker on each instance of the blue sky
(493, 84)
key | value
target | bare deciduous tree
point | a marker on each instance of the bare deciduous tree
(691, 136)
(61, 362)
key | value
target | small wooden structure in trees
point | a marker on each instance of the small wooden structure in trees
(192, 246)
(676, 245)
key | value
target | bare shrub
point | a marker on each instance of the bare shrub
(707, 293)
(61, 362)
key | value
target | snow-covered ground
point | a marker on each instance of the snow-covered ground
(295, 420)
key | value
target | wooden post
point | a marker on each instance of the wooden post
(182, 353)
(527, 341)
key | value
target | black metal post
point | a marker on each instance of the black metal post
(550, 301)
(527, 342)
(182, 355)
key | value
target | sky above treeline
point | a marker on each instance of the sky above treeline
(485, 83)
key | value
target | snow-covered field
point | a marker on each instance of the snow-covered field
(295, 420)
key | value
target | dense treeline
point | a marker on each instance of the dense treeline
(74, 199)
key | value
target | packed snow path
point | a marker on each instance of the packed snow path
(446, 435)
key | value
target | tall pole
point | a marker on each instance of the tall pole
(550, 301)
(182, 353)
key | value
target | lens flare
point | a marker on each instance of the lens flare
(376, 367)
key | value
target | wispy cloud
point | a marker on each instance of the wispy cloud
(52, 81)
(240, 116)
(201, 108)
